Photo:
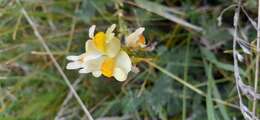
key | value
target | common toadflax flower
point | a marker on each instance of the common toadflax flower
(136, 39)
(103, 56)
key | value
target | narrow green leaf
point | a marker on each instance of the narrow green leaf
(213, 59)
(210, 108)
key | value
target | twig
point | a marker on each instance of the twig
(126, 117)
(236, 68)
(49, 18)
(257, 58)
(244, 110)
(45, 53)
(41, 40)
(249, 18)
(11, 48)
(222, 12)
(72, 31)
(3, 78)
(68, 97)
(166, 13)
(99, 103)
(16, 27)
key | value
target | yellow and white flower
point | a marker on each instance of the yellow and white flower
(118, 66)
(103, 56)
(100, 44)
(136, 39)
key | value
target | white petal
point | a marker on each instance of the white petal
(239, 56)
(120, 74)
(91, 31)
(142, 45)
(111, 28)
(109, 33)
(135, 69)
(92, 56)
(84, 70)
(123, 61)
(91, 51)
(96, 73)
(74, 65)
(94, 64)
(113, 47)
(73, 57)
(140, 30)
(91, 65)
(245, 49)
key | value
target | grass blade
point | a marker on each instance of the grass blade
(209, 101)
(166, 13)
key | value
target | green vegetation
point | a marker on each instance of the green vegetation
(188, 75)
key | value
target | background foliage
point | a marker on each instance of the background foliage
(31, 87)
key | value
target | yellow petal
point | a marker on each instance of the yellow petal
(113, 47)
(107, 67)
(100, 41)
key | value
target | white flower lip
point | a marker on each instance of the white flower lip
(73, 58)
(119, 74)
(74, 65)
(123, 66)
(76, 62)
(96, 73)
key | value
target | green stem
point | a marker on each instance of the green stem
(186, 70)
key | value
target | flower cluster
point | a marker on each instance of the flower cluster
(104, 55)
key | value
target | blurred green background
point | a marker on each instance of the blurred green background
(31, 88)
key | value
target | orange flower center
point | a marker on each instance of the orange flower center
(107, 67)
(141, 40)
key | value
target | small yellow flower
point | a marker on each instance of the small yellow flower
(103, 56)
(136, 39)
